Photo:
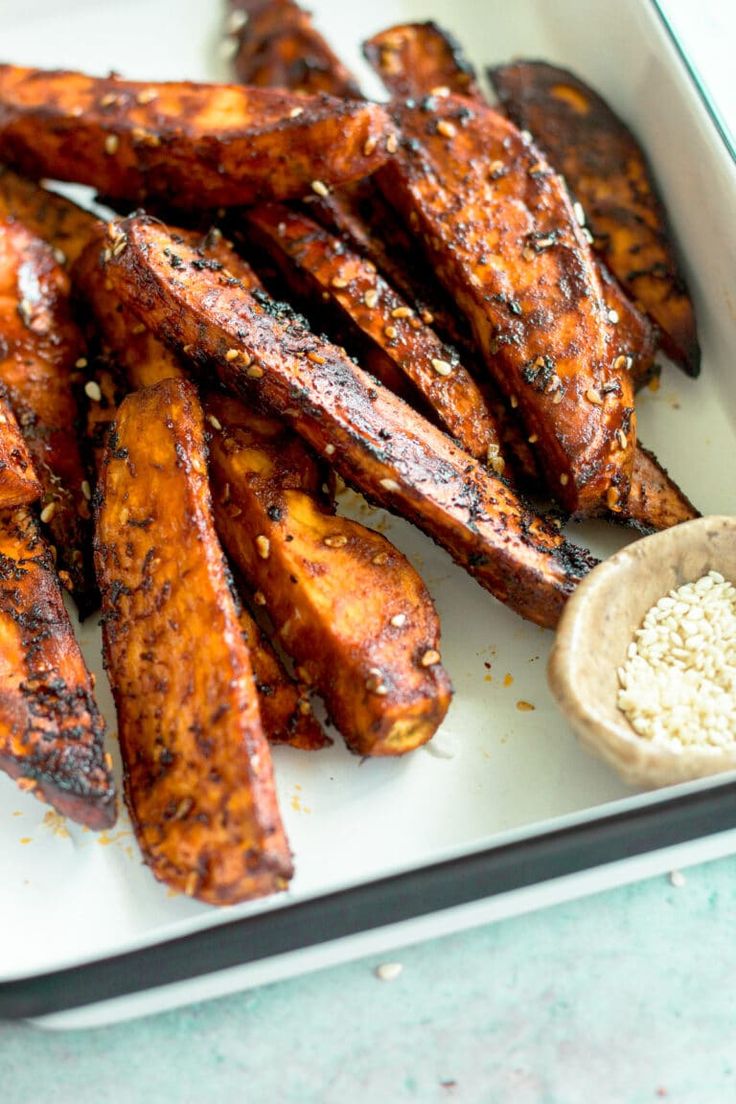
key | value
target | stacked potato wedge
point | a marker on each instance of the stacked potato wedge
(465, 339)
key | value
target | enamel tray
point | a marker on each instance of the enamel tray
(503, 811)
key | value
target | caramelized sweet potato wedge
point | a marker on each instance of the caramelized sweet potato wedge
(41, 345)
(198, 776)
(278, 47)
(655, 501)
(348, 607)
(608, 172)
(320, 268)
(262, 351)
(499, 226)
(189, 145)
(63, 224)
(19, 484)
(51, 731)
(416, 59)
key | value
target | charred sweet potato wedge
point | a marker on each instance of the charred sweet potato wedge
(263, 352)
(368, 646)
(322, 269)
(189, 145)
(198, 776)
(278, 47)
(51, 731)
(62, 224)
(41, 345)
(634, 336)
(416, 59)
(655, 501)
(608, 172)
(19, 484)
(500, 228)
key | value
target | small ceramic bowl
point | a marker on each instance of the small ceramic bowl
(598, 625)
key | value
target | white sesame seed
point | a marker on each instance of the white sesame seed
(296, 112)
(111, 143)
(442, 367)
(92, 390)
(613, 316)
(677, 879)
(446, 128)
(148, 95)
(86, 490)
(388, 971)
(320, 188)
(263, 547)
(370, 298)
(236, 21)
(329, 450)
(392, 143)
(214, 422)
(430, 658)
(398, 620)
(48, 512)
(579, 213)
(389, 484)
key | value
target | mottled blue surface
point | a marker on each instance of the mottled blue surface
(626, 997)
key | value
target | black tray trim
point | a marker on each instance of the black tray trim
(419, 892)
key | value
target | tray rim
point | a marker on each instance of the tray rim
(492, 871)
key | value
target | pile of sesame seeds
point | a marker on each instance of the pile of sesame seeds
(678, 685)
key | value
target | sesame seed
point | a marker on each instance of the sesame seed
(380, 559)
(426, 316)
(587, 235)
(370, 145)
(613, 316)
(398, 620)
(148, 95)
(59, 256)
(315, 357)
(259, 598)
(496, 168)
(108, 99)
(236, 21)
(339, 282)
(48, 512)
(564, 479)
(622, 363)
(514, 402)
(594, 397)
(442, 367)
(430, 658)
(329, 450)
(111, 143)
(677, 879)
(446, 128)
(81, 362)
(557, 397)
(231, 354)
(92, 390)
(86, 490)
(612, 497)
(392, 143)
(228, 48)
(320, 188)
(337, 541)
(526, 136)
(296, 112)
(263, 546)
(441, 90)
(579, 213)
(371, 298)
(401, 312)
(214, 422)
(139, 328)
(495, 460)
(391, 332)
(621, 438)
(190, 885)
(254, 371)
(389, 485)
(525, 706)
(533, 438)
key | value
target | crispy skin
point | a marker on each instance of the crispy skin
(19, 484)
(198, 145)
(501, 231)
(655, 501)
(41, 345)
(279, 48)
(414, 59)
(64, 225)
(607, 170)
(331, 586)
(198, 777)
(319, 266)
(375, 441)
(51, 731)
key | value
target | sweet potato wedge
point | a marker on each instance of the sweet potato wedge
(51, 731)
(348, 607)
(322, 269)
(655, 501)
(63, 224)
(608, 172)
(19, 484)
(416, 59)
(198, 776)
(277, 47)
(189, 145)
(41, 345)
(261, 350)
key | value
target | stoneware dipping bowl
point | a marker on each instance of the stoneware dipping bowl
(598, 625)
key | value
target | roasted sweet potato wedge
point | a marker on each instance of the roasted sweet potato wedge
(189, 145)
(368, 646)
(19, 484)
(198, 776)
(262, 351)
(51, 731)
(277, 47)
(655, 501)
(63, 224)
(608, 172)
(416, 59)
(41, 345)
(500, 228)
(322, 269)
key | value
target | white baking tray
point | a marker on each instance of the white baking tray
(502, 811)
